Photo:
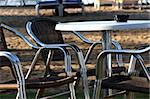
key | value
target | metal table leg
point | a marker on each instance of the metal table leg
(106, 35)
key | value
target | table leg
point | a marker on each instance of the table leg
(60, 10)
(106, 42)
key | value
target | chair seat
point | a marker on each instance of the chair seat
(120, 82)
(115, 70)
(48, 82)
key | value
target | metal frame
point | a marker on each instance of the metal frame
(93, 44)
(49, 4)
(17, 69)
(60, 5)
(73, 4)
(101, 69)
(67, 57)
(78, 52)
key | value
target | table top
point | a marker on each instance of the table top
(103, 25)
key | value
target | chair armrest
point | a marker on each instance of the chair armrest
(93, 44)
(18, 34)
(135, 53)
(45, 46)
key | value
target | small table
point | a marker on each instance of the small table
(105, 27)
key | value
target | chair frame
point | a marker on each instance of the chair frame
(100, 67)
(60, 5)
(73, 5)
(17, 70)
(48, 5)
(67, 58)
(78, 52)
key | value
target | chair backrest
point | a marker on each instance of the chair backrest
(3, 47)
(44, 30)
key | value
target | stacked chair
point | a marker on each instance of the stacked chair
(134, 80)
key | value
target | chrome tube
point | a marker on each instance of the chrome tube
(93, 44)
(18, 73)
(19, 34)
(100, 68)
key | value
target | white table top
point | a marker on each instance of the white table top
(103, 25)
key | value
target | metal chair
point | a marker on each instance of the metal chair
(51, 4)
(73, 4)
(42, 30)
(16, 69)
(129, 81)
(53, 81)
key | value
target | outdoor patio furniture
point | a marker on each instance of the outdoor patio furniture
(59, 5)
(50, 4)
(129, 81)
(16, 69)
(37, 26)
(73, 4)
(49, 81)
(42, 30)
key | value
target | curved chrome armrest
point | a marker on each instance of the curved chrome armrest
(67, 59)
(17, 69)
(135, 53)
(31, 34)
(93, 44)
(19, 34)
(52, 46)
(83, 38)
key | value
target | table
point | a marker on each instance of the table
(105, 27)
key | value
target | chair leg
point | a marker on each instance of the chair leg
(37, 10)
(72, 91)
(39, 93)
(61, 10)
(97, 90)
(130, 95)
(83, 12)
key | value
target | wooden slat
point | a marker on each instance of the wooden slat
(8, 86)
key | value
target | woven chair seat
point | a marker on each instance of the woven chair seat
(120, 82)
